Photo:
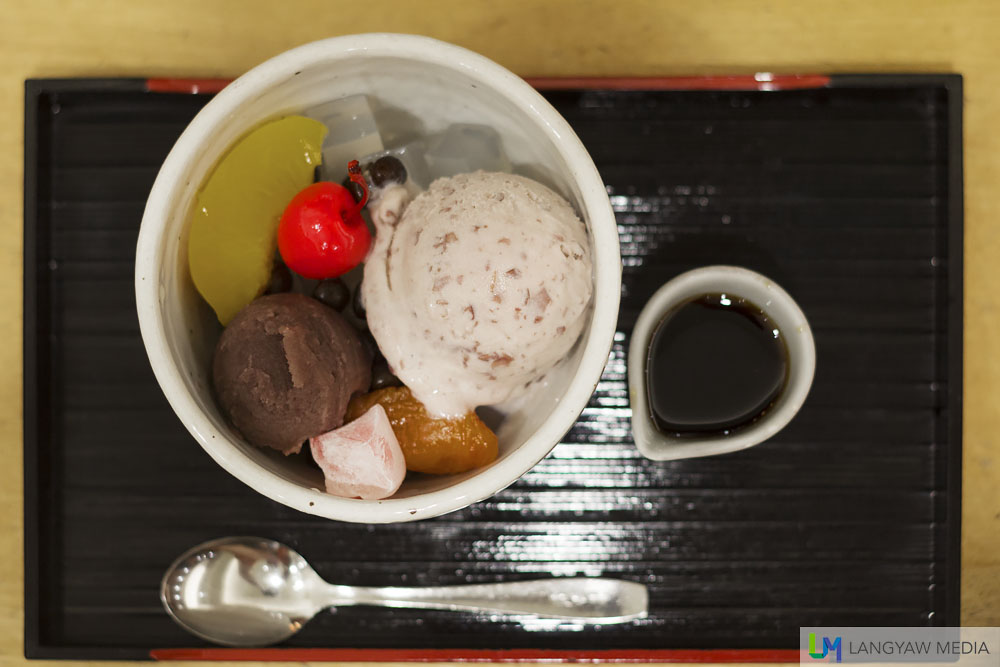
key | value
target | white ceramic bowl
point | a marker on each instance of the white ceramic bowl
(782, 310)
(419, 80)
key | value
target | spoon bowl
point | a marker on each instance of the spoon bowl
(249, 591)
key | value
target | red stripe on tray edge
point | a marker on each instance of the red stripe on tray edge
(191, 86)
(760, 81)
(476, 655)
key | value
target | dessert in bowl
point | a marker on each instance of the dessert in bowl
(423, 98)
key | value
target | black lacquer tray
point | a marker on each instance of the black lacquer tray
(847, 190)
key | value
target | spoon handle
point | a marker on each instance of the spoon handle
(590, 599)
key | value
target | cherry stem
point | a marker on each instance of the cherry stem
(354, 171)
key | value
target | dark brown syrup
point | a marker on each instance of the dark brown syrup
(716, 363)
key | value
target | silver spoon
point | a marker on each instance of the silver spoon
(248, 591)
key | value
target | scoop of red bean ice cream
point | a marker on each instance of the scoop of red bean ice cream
(479, 286)
(285, 369)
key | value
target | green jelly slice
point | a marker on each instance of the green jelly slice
(234, 226)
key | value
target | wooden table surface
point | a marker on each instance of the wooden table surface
(216, 38)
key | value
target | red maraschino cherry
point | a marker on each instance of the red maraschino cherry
(321, 233)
